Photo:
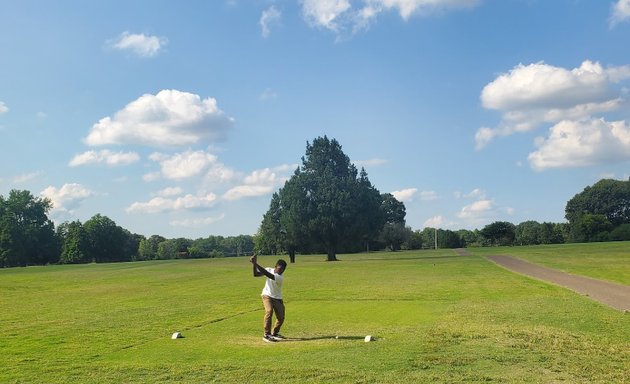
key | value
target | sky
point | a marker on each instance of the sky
(183, 118)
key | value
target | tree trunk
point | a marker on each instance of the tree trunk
(332, 255)
(292, 255)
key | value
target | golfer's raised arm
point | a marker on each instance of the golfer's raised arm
(260, 271)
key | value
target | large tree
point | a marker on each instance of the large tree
(27, 236)
(607, 197)
(75, 244)
(106, 240)
(499, 233)
(325, 204)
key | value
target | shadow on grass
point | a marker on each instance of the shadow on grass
(329, 337)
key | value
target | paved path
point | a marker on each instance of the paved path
(611, 294)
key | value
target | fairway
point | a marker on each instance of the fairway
(437, 318)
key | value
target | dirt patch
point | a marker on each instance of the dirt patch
(462, 252)
(611, 294)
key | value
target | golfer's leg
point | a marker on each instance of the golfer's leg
(268, 313)
(278, 307)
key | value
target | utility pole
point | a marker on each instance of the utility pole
(435, 238)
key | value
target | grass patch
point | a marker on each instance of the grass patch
(605, 261)
(437, 317)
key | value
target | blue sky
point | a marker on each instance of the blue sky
(182, 118)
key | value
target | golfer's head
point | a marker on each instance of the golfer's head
(281, 265)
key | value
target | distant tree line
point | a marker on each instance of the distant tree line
(29, 237)
(303, 217)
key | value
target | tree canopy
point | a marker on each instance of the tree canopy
(326, 204)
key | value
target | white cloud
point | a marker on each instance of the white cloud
(184, 203)
(324, 13)
(530, 95)
(370, 162)
(478, 210)
(258, 183)
(106, 157)
(26, 177)
(67, 198)
(3, 108)
(197, 223)
(582, 143)
(269, 17)
(406, 8)
(476, 194)
(268, 94)
(340, 16)
(243, 191)
(170, 191)
(184, 165)
(170, 118)
(620, 12)
(140, 44)
(428, 195)
(434, 222)
(405, 195)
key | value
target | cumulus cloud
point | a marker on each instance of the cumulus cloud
(26, 177)
(184, 165)
(170, 118)
(67, 198)
(434, 222)
(165, 204)
(170, 191)
(104, 157)
(478, 210)
(258, 183)
(324, 13)
(190, 164)
(530, 96)
(582, 143)
(268, 18)
(620, 12)
(340, 15)
(405, 195)
(3, 108)
(197, 223)
(140, 44)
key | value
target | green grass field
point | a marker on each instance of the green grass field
(437, 317)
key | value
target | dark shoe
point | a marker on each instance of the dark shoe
(278, 337)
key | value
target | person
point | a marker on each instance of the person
(271, 297)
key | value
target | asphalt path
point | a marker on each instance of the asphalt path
(612, 294)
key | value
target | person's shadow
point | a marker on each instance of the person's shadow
(331, 337)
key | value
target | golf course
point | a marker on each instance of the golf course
(437, 316)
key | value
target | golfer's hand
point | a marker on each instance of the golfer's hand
(252, 259)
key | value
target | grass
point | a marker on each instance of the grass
(605, 261)
(437, 317)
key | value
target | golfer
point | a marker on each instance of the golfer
(272, 297)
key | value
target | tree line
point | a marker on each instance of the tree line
(328, 206)
(29, 237)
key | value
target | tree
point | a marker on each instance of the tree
(499, 233)
(75, 245)
(107, 241)
(27, 236)
(393, 209)
(528, 233)
(607, 197)
(591, 228)
(394, 235)
(148, 248)
(325, 204)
